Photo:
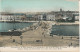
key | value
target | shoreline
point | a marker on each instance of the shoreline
(69, 23)
(56, 23)
(18, 21)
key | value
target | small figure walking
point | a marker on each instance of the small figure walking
(52, 35)
(44, 35)
(62, 37)
(13, 40)
(41, 40)
(71, 44)
(11, 37)
(71, 37)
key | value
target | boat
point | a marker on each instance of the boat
(13, 33)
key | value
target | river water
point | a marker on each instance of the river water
(4, 27)
(65, 30)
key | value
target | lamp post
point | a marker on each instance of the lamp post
(21, 37)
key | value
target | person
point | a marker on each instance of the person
(52, 35)
(13, 40)
(11, 37)
(44, 35)
(41, 40)
(71, 43)
(71, 37)
(62, 37)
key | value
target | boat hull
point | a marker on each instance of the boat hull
(14, 33)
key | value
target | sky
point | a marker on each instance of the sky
(38, 5)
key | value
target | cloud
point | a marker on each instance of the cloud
(72, 0)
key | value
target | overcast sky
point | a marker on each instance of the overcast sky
(38, 5)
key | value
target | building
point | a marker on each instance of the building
(11, 16)
(77, 17)
(40, 17)
(30, 17)
(70, 15)
(44, 17)
(35, 17)
(50, 17)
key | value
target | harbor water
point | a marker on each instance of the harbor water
(56, 29)
(67, 30)
(4, 27)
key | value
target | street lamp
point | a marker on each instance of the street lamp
(21, 37)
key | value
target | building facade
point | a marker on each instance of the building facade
(50, 17)
(11, 17)
(40, 17)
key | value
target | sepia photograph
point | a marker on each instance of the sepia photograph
(40, 25)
